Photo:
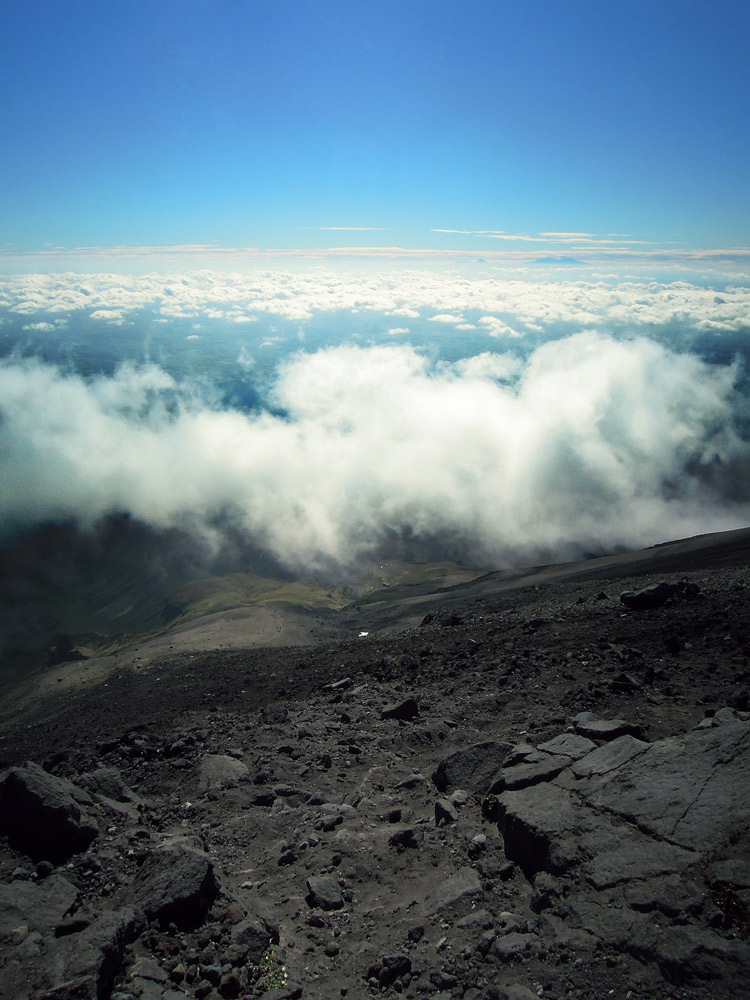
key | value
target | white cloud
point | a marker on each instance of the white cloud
(446, 318)
(500, 367)
(498, 328)
(40, 327)
(403, 311)
(508, 307)
(589, 444)
(113, 316)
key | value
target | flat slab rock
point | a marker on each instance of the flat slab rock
(589, 725)
(638, 824)
(544, 768)
(36, 907)
(683, 788)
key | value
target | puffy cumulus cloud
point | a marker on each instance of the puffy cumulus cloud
(497, 328)
(446, 318)
(508, 305)
(587, 445)
(113, 316)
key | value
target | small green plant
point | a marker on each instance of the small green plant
(490, 807)
(268, 974)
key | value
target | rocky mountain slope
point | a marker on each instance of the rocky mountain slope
(521, 787)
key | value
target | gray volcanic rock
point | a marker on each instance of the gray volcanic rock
(40, 814)
(82, 988)
(445, 812)
(545, 767)
(645, 821)
(98, 950)
(218, 771)
(252, 938)
(176, 883)
(325, 892)
(589, 725)
(79, 966)
(463, 882)
(35, 907)
(571, 745)
(541, 826)
(657, 595)
(404, 711)
(108, 783)
(681, 788)
(472, 768)
(609, 756)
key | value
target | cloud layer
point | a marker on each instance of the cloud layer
(503, 306)
(588, 444)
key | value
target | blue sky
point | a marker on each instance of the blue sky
(417, 123)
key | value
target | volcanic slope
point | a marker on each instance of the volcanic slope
(518, 787)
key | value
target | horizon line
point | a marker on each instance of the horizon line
(588, 254)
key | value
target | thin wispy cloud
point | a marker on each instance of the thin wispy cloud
(585, 239)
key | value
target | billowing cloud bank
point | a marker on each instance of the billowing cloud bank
(588, 444)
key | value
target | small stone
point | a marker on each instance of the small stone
(445, 813)
(404, 711)
(406, 837)
(325, 892)
(212, 974)
(230, 985)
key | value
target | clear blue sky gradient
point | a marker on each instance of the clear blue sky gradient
(261, 122)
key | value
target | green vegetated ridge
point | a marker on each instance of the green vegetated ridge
(236, 590)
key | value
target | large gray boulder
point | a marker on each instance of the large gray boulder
(41, 814)
(176, 884)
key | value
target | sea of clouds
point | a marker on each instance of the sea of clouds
(578, 420)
